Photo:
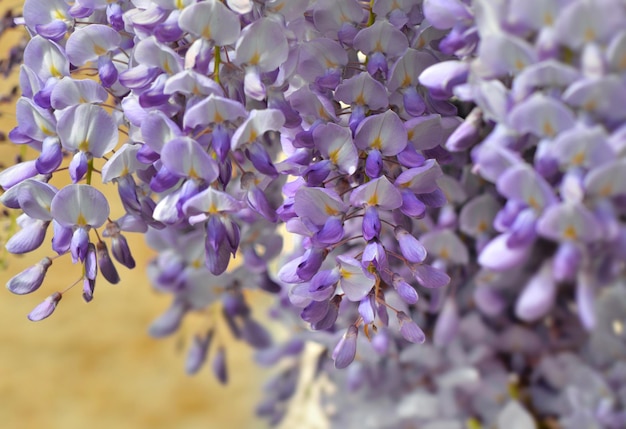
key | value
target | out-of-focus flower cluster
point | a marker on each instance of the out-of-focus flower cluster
(453, 174)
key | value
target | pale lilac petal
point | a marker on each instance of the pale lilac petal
(252, 45)
(384, 132)
(498, 256)
(211, 20)
(46, 58)
(258, 122)
(541, 115)
(33, 121)
(186, 157)
(383, 37)
(445, 244)
(35, 198)
(70, 92)
(569, 221)
(190, 82)
(362, 89)
(537, 298)
(586, 299)
(354, 283)
(378, 192)
(213, 110)
(502, 54)
(335, 143)
(122, 163)
(421, 180)
(406, 70)
(87, 128)
(90, 42)
(522, 183)
(29, 238)
(80, 205)
(318, 204)
(150, 52)
(477, 215)
(607, 180)
(211, 201)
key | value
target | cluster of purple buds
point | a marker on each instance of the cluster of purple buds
(449, 170)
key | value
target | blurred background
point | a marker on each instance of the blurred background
(93, 365)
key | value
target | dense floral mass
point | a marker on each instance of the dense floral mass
(453, 173)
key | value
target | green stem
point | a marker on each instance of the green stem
(216, 68)
(372, 15)
(89, 171)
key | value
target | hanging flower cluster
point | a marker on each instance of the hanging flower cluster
(450, 170)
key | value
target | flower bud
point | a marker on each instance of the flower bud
(345, 350)
(30, 279)
(46, 308)
(409, 329)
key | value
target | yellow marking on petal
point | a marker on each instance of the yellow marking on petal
(621, 64)
(570, 233)
(590, 105)
(322, 113)
(378, 47)
(606, 190)
(253, 135)
(618, 327)
(54, 71)
(166, 67)
(255, 58)
(197, 263)
(81, 100)
(377, 143)
(334, 156)
(329, 64)
(58, 14)
(345, 273)
(579, 159)
(81, 221)
(83, 146)
(206, 32)
(329, 210)
(444, 253)
(192, 173)
(99, 50)
(407, 80)
(360, 99)
(548, 19)
(533, 203)
(519, 64)
(180, 4)
(590, 35)
(124, 171)
(218, 117)
(46, 130)
(213, 208)
(482, 226)
(373, 200)
(548, 129)
(410, 134)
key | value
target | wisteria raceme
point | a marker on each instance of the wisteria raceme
(451, 171)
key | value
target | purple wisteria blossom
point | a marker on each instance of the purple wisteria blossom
(449, 174)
